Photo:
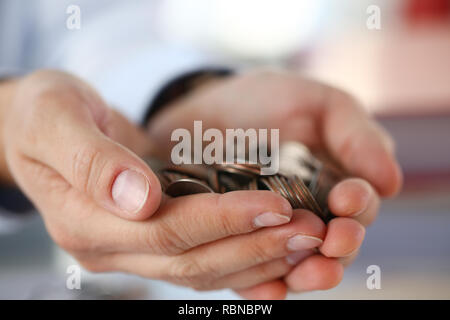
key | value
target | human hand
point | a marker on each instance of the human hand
(79, 162)
(326, 120)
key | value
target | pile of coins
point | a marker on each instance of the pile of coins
(302, 179)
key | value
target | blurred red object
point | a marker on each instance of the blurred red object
(418, 11)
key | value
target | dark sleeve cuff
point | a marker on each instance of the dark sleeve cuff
(179, 87)
(12, 200)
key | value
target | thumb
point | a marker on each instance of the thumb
(85, 143)
(119, 129)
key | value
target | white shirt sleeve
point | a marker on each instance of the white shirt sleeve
(117, 50)
(121, 54)
(131, 81)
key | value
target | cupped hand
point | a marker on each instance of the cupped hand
(80, 164)
(325, 119)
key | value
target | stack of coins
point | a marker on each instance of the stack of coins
(302, 179)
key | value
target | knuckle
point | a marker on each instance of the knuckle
(203, 285)
(189, 272)
(164, 240)
(87, 168)
(269, 271)
(186, 270)
(259, 252)
(225, 217)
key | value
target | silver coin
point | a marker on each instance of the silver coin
(187, 186)
(303, 179)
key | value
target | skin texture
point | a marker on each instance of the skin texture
(65, 148)
(328, 121)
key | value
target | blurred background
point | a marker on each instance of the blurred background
(399, 69)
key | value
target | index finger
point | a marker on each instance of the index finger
(360, 144)
(179, 225)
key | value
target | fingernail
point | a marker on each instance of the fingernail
(360, 211)
(364, 204)
(296, 257)
(349, 254)
(130, 191)
(270, 219)
(302, 242)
